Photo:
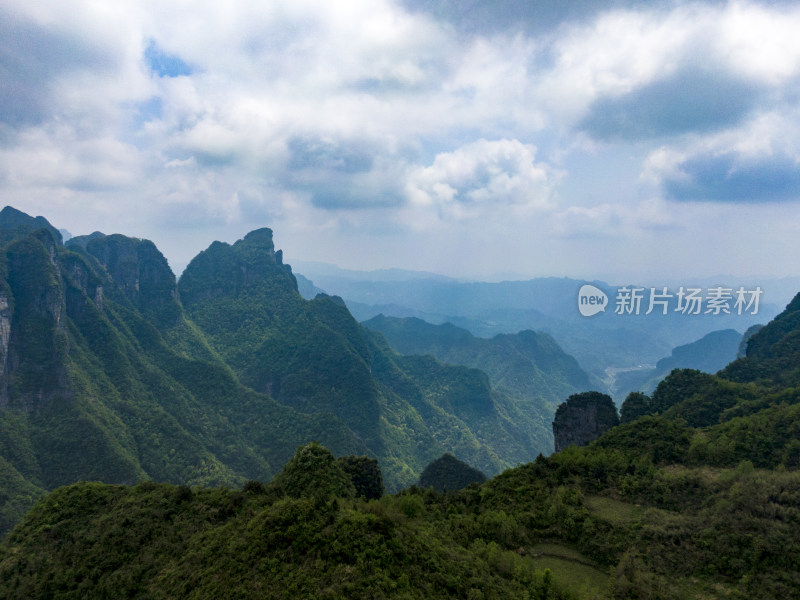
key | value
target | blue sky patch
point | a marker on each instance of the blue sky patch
(163, 64)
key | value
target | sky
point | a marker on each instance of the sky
(572, 138)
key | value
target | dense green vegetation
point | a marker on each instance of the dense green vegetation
(447, 473)
(365, 474)
(590, 522)
(695, 494)
(104, 379)
(529, 365)
(112, 371)
(773, 352)
(531, 373)
(314, 356)
(582, 418)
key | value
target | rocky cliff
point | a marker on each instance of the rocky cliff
(583, 418)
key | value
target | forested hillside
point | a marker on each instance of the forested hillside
(314, 357)
(111, 370)
(696, 496)
(104, 379)
(529, 365)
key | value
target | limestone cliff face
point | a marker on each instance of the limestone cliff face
(583, 418)
(82, 286)
(261, 258)
(6, 314)
(139, 270)
(36, 344)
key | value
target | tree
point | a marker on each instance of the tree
(448, 473)
(314, 472)
(365, 473)
(636, 405)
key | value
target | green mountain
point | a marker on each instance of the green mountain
(112, 371)
(696, 497)
(103, 378)
(314, 357)
(749, 411)
(773, 352)
(528, 368)
(15, 223)
(634, 515)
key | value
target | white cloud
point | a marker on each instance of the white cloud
(758, 161)
(609, 220)
(760, 41)
(625, 50)
(483, 178)
(360, 115)
(58, 157)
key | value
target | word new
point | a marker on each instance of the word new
(591, 300)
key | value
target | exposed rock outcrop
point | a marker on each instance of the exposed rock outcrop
(583, 418)
(6, 313)
(138, 269)
(37, 343)
(227, 270)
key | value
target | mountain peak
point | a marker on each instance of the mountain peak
(14, 222)
(262, 235)
(258, 243)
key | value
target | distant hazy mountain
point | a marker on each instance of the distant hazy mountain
(327, 272)
(307, 288)
(709, 354)
(606, 340)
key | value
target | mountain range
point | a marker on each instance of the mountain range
(603, 344)
(528, 365)
(112, 370)
(696, 494)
